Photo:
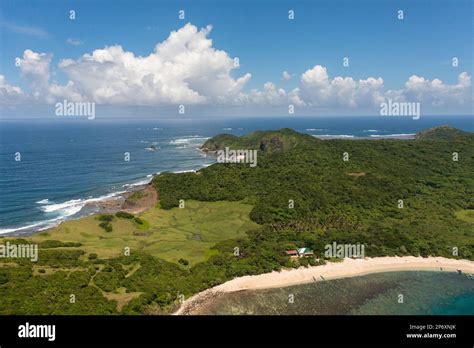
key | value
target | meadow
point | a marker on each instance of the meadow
(174, 234)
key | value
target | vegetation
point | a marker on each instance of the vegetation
(92, 256)
(330, 203)
(135, 197)
(466, 215)
(188, 233)
(106, 222)
(58, 244)
(106, 226)
(105, 217)
(239, 221)
(184, 262)
(124, 215)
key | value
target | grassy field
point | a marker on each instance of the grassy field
(121, 296)
(187, 233)
(466, 215)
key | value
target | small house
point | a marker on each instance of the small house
(301, 252)
(305, 252)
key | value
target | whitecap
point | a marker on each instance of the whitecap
(189, 140)
(43, 201)
(334, 136)
(185, 171)
(401, 135)
(140, 182)
(37, 226)
(61, 206)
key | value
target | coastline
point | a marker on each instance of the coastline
(345, 269)
(78, 207)
(108, 204)
(408, 136)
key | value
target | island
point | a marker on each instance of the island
(185, 233)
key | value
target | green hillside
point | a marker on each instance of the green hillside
(266, 141)
(354, 200)
(442, 133)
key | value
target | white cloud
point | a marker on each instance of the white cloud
(35, 69)
(183, 69)
(285, 75)
(10, 94)
(270, 95)
(74, 42)
(186, 69)
(435, 93)
(25, 30)
(317, 89)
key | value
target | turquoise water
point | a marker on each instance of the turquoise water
(463, 304)
(390, 293)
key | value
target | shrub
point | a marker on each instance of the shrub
(136, 196)
(124, 215)
(49, 244)
(72, 244)
(107, 268)
(106, 226)
(183, 262)
(92, 256)
(138, 221)
(105, 217)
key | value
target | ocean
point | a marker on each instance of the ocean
(388, 293)
(50, 169)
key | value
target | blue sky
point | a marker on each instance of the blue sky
(260, 34)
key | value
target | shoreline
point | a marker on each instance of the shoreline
(345, 269)
(410, 136)
(111, 202)
(96, 205)
(108, 203)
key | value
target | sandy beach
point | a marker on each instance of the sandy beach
(346, 268)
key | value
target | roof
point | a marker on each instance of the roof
(305, 251)
(292, 252)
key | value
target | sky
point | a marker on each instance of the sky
(140, 56)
